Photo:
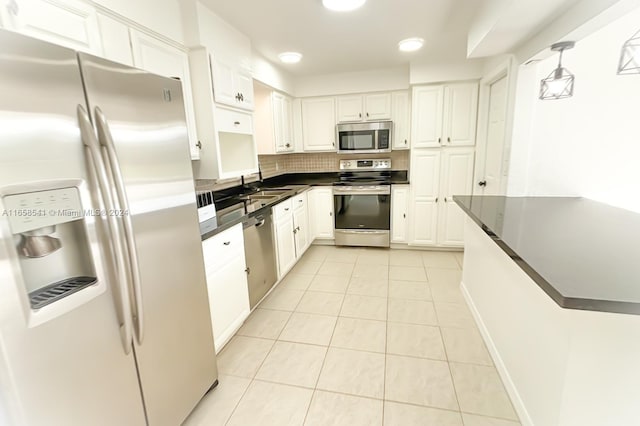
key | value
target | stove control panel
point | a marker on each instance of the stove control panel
(377, 164)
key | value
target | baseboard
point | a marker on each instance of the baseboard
(510, 387)
(327, 242)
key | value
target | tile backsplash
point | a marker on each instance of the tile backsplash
(273, 165)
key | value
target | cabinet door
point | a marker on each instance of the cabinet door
(282, 123)
(285, 244)
(349, 108)
(460, 114)
(456, 178)
(243, 84)
(399, 216)
(377, 107)
(301, 224)
(425, 173)
(319, 124)
(426, 131)
(116, 41)
(223, 81)
(157, 57)
(69, 23)
(228, 300)
(321, 213)
(401, 118)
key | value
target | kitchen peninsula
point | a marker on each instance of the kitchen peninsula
(553, 285)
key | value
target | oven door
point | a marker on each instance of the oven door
(362, 215)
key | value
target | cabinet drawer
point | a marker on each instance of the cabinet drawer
(282, 209)
(299, 201)
(222, 248)
(233, 122)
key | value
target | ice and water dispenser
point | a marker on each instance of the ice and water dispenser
(54, 253)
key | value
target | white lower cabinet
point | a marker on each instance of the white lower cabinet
(290, 220)
(225, 267)
(436, 176)
(321, 222)
(399, 213)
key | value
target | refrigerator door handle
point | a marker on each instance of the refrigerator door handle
(99, 175)
(111, 158)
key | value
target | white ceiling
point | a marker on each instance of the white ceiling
(363, 39)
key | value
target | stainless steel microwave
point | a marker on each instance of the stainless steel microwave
(360, 138)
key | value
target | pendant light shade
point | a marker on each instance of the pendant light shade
(559, 84)
(630, 56)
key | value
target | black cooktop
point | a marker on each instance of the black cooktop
(364, 178)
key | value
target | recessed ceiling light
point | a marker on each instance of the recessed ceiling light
(410, 44)
(290, 57)
(343, 5)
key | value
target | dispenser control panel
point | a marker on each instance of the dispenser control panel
(33, 210)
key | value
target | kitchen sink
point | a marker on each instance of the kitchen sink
(270, 192)
(258, 196)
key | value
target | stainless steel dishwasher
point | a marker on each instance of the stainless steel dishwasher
(259, 251)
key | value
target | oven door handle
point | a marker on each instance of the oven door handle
(358, 191)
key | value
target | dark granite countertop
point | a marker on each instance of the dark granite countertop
(232, 210)
(582, 253)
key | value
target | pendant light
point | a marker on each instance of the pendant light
(630, 56)
(559, 84)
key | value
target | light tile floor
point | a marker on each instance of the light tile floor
(357, 336)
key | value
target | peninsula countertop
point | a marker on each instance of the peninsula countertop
(582, 253)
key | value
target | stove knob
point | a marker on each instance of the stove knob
(348, 163)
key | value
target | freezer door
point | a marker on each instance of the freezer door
(69, 361)
(140, 121)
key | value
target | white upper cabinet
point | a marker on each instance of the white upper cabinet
(69, 23)
(460, 114)
(319, 124)
(426, 118)
(156, 56)
(116, 41)
(283, 122)
(232, 84)
(444, 115)
(401, 117)
(371, 107)
(273, 117)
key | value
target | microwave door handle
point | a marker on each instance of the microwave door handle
(98, 175)
(111, 158)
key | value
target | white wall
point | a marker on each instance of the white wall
(267, 73)
(352, 82)
(470, 69)
(587, 145)
(164, 18)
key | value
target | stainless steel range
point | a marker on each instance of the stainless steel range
(362, 203)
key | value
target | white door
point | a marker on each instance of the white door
(425, 174)
(319, 124)
(285, 244)
(349, 108)
(456, 178)
(492, 161)
(426, 113)
(116, 41)
(223, 81)
(460, 114)
(401, 119)
(300, 222)
(377, 107)
(69, 23)
(399, 210)
(243, 84)
(156, 56)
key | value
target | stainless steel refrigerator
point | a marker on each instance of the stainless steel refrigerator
(104, 315)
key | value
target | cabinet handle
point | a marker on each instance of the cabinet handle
(286, 209)
(440, 141)
(238, 97)
(226, 243)
(448, 139)
(367, 115)
(404, 215)
(405, 141)
(436, 199)
(333, 143)
(330, 213)
(247, 270)
(482, 183)
(288, 145)
(241, 97)
(13, 8)
(295, 231)
(299, 201)
(298, 228)
(359, 115)
(199, 145)
(236, 123)
(445, 199)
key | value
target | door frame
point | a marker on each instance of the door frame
(504, 69)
